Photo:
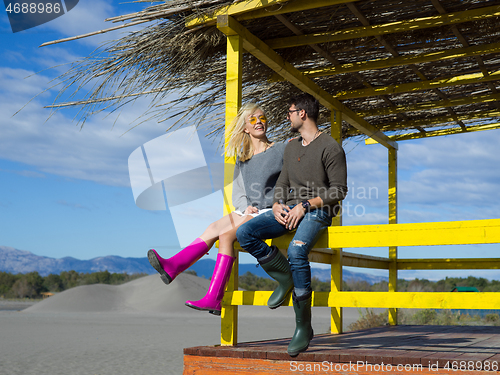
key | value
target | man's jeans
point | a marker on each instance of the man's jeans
(265, 226)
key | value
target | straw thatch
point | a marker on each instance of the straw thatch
(182, 71)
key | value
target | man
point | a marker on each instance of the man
(307, 194)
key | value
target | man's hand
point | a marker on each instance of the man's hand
(294, 217)
(251, 210)
(280, 212)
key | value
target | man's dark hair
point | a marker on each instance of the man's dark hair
(308, 103)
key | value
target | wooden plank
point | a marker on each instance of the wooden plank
(235, 9)
(365, 261)
(441, 132)
(254, 9)
(449, 264)
(229, 314)
(425, 106)
(464, 79)
(479, 115)
(417, 300)
(393, 219)
(383, 29)
(416, 234)
(360, 66)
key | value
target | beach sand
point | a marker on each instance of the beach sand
(140, 327)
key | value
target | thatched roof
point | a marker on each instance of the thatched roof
(403, 66)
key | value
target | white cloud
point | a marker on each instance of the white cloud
(439, 179)
(456, 176)
(98, 152)
(88, 16)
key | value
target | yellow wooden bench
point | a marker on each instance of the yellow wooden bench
(329, 250)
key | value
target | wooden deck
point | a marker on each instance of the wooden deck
(390, 349)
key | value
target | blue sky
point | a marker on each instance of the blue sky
(65, 191)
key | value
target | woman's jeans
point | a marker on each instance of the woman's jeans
(265, 226)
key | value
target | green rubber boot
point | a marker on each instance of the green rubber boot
(277, 266)
(303, 329)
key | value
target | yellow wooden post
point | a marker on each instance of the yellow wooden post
(229, 314)
(336, 268)
(393, 219)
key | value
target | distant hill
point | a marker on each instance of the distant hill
(20, 261)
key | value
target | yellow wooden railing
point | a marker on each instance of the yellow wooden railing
(328, 251)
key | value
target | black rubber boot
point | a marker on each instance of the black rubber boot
(303, 329)
(277, 266)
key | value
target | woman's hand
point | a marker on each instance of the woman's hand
(251, 210)
(280, 212)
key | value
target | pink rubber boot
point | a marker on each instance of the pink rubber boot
(171, 267)
(220, 277)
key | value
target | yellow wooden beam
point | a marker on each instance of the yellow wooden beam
(336, 312)
(393, 219)
(389, 28)
(432, 105)
(234, 9)
(438, 120)
(449, 264)
(254, 9)
(465, 79)
(359, 66)
(234, 64)
(441, 132)
(364, 261)
(324, 255)
(417, 300)
(415, 234)
(260, 50)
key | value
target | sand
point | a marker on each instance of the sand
(140, 327)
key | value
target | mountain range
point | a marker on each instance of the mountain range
(19, 261)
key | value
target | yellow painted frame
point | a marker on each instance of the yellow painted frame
(420, 85)
(229, 314)
(360, 66)
(254, 9)
(390, 28)
(389, 126)
(441, 132)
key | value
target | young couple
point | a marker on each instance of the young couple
(277, 188)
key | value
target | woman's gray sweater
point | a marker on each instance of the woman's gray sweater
(254, 179)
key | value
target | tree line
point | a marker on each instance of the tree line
(32, 285)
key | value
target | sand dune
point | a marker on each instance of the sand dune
(145, 295)
(139, 327)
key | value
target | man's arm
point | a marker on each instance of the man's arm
(335, 165)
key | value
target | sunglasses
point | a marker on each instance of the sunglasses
(253, 120)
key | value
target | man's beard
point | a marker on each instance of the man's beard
(294, 130)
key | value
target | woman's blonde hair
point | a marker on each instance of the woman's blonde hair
(239, 143)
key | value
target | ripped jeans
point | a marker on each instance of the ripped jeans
(265, 226)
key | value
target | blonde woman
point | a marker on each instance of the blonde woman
(258, 166)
